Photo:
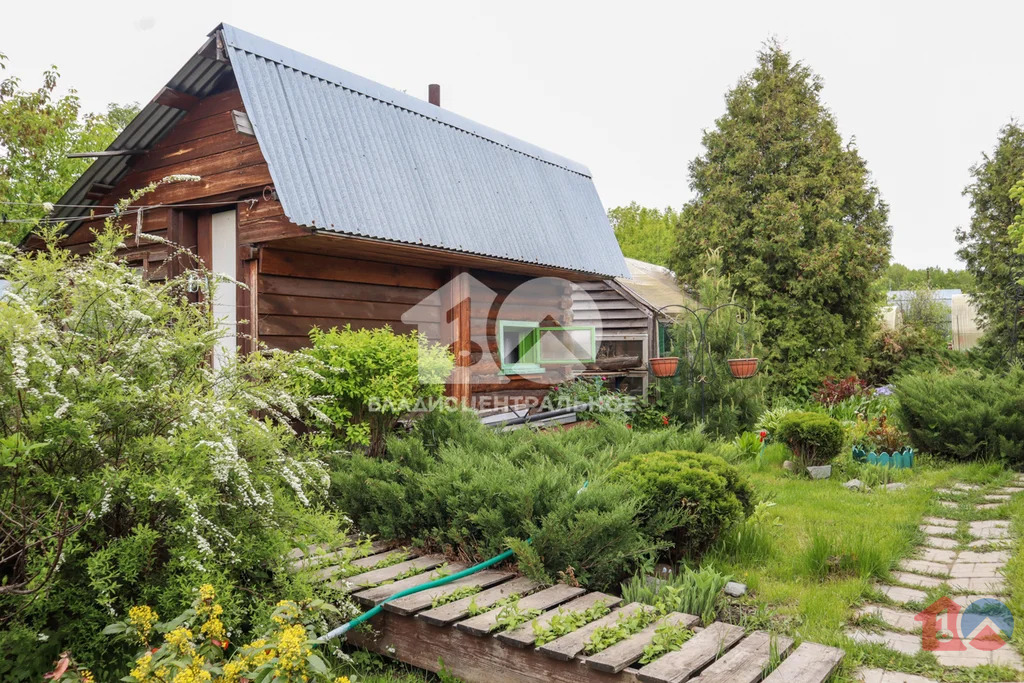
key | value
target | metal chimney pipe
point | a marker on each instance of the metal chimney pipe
(434, 94)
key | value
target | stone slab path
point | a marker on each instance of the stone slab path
(960, 559)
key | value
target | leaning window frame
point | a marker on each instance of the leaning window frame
(529, 367)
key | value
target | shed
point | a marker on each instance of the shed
(337, 200)
(628, 316)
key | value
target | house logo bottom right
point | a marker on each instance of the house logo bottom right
(986, 624)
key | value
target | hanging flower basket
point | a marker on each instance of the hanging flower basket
(665, 367)
(743, 368)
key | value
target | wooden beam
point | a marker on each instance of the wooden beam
(459, 319)
(106, 153)
(175, 99)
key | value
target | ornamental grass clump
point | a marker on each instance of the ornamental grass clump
(130, 468)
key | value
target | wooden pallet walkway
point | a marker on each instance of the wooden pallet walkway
(475, 648)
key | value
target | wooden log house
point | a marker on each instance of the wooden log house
(337, 200)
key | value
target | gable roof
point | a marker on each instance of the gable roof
(351, 156)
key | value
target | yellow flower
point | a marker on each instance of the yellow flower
(287, 611)
(342, 679)
(181, 638)
(292, 649)
(142, 617)
(141, 669)
(87, 676)
(206, 592)
(213, 628)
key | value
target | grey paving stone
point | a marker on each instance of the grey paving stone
(989, 506)
(965, 487)
(968, 658)
(982, 570)
(991, 543)
(991, 556)
(942, 556)
(902, 594)
(925, 567)
(916, 580)
(941, 521)
(883, 676)
(937, 530)
(948, 504)
(940, 542)
(900, 642)
(965, 600)
(978, 585)
(897, 618)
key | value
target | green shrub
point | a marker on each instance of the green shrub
(965, 415)
(131, 469)
(372, 377)
(704, 493)
(453, 483)
(814, 438)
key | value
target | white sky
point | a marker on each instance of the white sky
(625, 88)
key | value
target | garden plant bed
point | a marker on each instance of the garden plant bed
(415, 632)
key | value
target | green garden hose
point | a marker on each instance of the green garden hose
(366, 616)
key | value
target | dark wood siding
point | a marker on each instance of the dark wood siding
(306, 285)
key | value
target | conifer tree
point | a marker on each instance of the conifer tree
(803, 231)
(987, 245)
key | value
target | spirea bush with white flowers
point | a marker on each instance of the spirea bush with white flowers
(130, 469)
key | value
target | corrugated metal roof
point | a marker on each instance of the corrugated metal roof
(199, 77)
(654, 285)
(351, 156)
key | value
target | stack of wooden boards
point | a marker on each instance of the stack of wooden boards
(412, 630)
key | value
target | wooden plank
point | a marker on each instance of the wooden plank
(327, 289)
(745, 663)
(694, 655)
(471, 659)
(185, 131)
(325, 573)
(298, 326)
(454, 611)
(277, 304)
(378, 594)
(376, 576)
(809, 663)
(313, 559)
(175, 99)
(524, 636)
(322, 267)
(625, 652)
(483, 624)
(199, 148)
(416, 602)
(572, 644)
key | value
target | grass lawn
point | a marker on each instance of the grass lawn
(828, 545)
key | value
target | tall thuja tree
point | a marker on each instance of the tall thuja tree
(38, 129)
(645, 234)
(987, 246)
(803, 231)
